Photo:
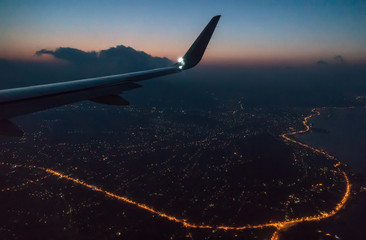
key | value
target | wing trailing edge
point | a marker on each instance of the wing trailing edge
(111, 100)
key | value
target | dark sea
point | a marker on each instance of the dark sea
(342, 132)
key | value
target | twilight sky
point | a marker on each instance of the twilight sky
(249, 32)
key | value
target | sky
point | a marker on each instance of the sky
(249, 32)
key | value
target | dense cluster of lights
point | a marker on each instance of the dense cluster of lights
(279, 225)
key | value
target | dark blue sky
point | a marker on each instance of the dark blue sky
(249, 31)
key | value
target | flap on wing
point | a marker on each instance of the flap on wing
(129, 85)
(111, 100)
(7, 128)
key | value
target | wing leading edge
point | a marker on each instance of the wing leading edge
(19, 101)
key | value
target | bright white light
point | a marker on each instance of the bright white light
(181, 62)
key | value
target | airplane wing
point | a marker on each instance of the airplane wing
(19, 101)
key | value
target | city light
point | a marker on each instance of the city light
(278, 225)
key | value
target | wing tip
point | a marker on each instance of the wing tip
(195, 53)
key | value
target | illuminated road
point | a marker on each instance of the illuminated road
(279, 225)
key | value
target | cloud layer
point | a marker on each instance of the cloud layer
(76, 64)
(120, 56)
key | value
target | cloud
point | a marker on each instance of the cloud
(79, 64)
(119, 56)
(114, 60)
(336, 59)
(70, 54)
(321, 63)
(339, 59)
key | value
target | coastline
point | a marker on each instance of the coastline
(342, 135)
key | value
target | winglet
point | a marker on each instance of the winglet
(195, 52)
